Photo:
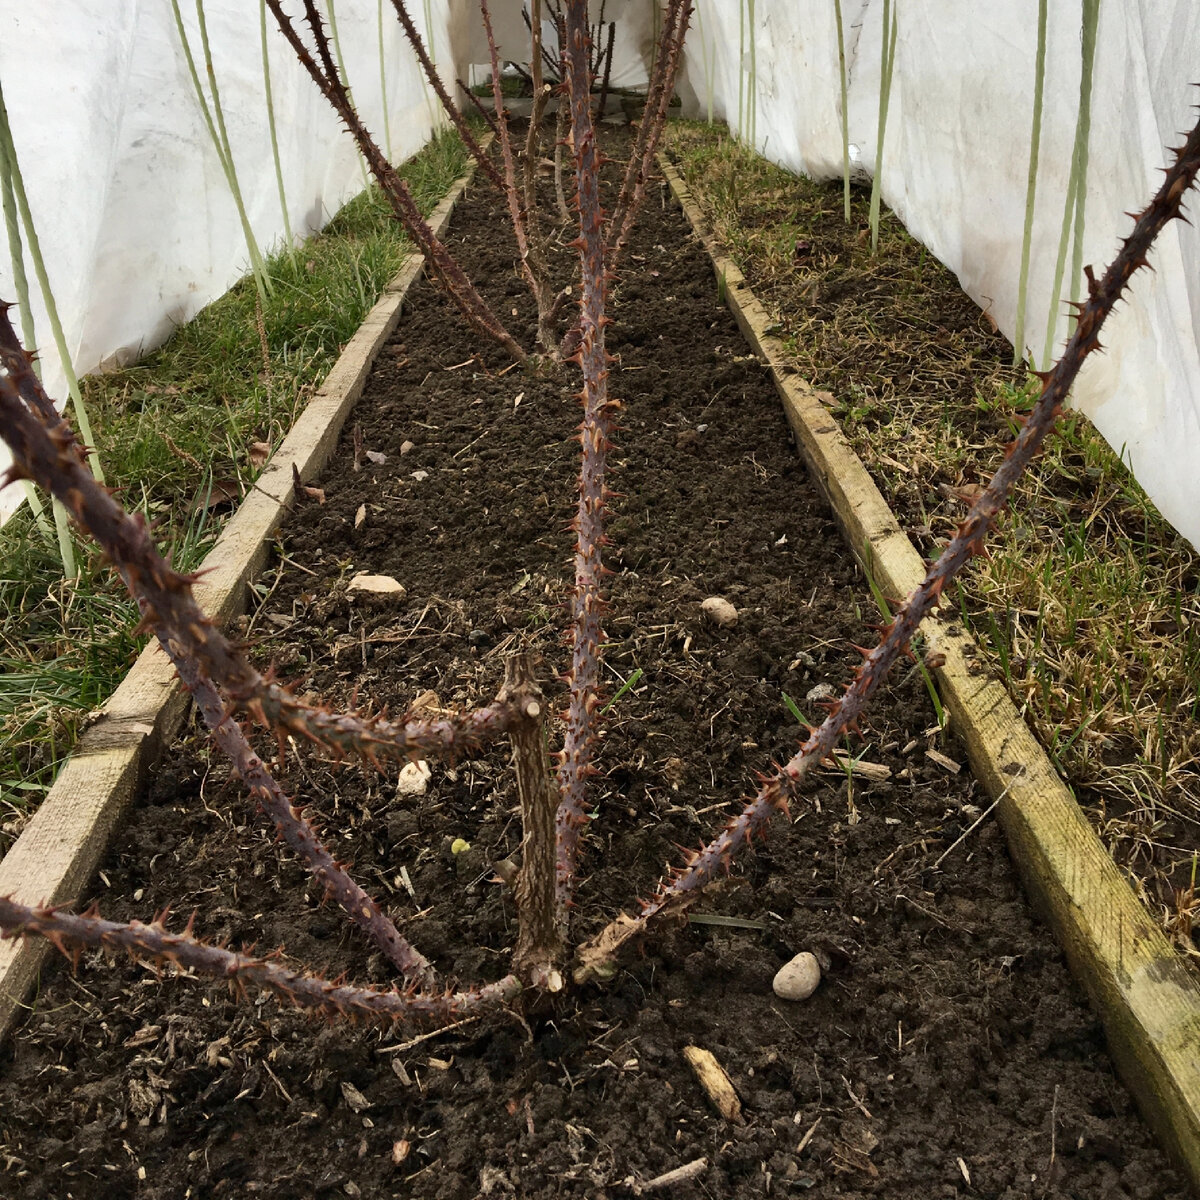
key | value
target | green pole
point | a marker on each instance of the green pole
(383, 92)
(256, 257)
(837, 12)
(39, 267)
(706, 57)
(887, 59)
(1035, 141)
(1091, 19)
(1074, 205)
(266, 63)
(21, 282)
(341, 63)
(752, 82)
(741, 73)
(256, 262)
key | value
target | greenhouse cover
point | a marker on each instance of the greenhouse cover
(138, 228)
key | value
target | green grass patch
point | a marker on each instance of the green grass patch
(512, 87)
(174, 432)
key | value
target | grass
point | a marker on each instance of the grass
(174, 432)
(1089, 607)
(512, 87)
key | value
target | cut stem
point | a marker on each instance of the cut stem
(538, 957)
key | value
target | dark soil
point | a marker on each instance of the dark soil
(946, 1052)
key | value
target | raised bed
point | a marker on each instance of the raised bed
(55, 858)
(1144, 992)
(947, 1051)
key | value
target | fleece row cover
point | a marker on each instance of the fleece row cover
(139, 229)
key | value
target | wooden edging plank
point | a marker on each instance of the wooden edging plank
(1145, 994)
(58, 852)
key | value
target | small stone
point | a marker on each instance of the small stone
(413, 779)
(720, 612)
(797, 979)
(354, 1098)
(823, 691)
(405, 447)
(420, 476)
(377, 587)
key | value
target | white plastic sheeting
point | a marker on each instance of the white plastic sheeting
(632, 44)
(136, 221)
(955, 165)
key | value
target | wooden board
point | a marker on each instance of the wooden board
(1145, 994)
(58, 852)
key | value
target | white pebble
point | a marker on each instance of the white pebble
(377, 587)
(720, 612)
(797, 979)
(414, 779)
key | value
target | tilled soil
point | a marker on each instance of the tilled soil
(946, 1051)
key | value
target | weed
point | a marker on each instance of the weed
(628, 686)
